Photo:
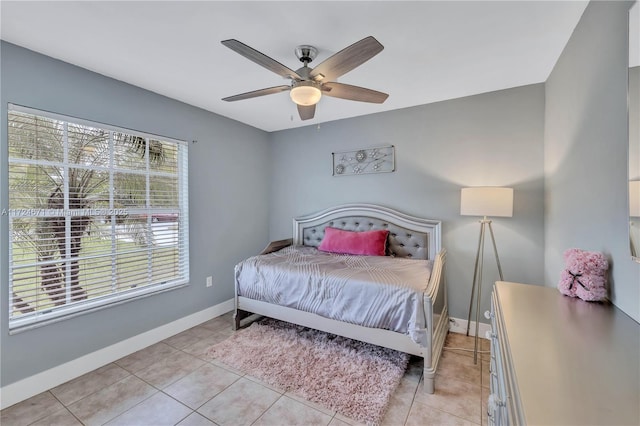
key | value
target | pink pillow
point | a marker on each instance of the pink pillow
(370, 243)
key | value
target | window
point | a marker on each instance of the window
(97, 215)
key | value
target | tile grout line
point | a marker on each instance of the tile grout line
(413, 399)
(65, 407)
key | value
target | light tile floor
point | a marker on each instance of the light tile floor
(174, 383)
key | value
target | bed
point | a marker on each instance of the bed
(410, 313)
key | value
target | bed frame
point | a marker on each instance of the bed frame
(410, 237)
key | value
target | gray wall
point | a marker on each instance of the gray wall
(634, 123)
(586, 151)
(489, 139)
(228, 177)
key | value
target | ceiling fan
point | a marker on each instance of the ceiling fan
(309, 84)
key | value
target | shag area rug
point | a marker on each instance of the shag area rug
(353, 378)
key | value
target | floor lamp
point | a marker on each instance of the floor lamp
(484, 201)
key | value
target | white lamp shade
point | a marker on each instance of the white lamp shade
(634, 198)
(486, 201)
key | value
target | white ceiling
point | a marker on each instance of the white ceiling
(434, 50)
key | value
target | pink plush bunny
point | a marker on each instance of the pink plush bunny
(584, 275)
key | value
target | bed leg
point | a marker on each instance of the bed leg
(428, 384)
(236, 320)
(237, 317)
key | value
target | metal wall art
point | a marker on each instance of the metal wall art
(369, 160)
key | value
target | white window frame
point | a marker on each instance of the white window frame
(58, 313)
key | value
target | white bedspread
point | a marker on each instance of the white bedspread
(373, 291)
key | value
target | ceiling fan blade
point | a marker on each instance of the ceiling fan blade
(256, 93)
(306, 112)
(260, 58)
(353, 93)
(347, 59)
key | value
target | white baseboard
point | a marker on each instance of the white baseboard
(33, 385)
(457, 325)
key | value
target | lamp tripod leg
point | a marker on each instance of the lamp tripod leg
(495, 251)
(478, 293)
(475, 274)
(476, 288)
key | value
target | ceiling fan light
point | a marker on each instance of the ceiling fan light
(305, 93)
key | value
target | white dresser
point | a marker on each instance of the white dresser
(557, 360)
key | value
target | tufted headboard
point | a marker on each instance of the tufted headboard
(409, 236)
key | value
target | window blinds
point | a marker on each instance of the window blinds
(97, 215)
